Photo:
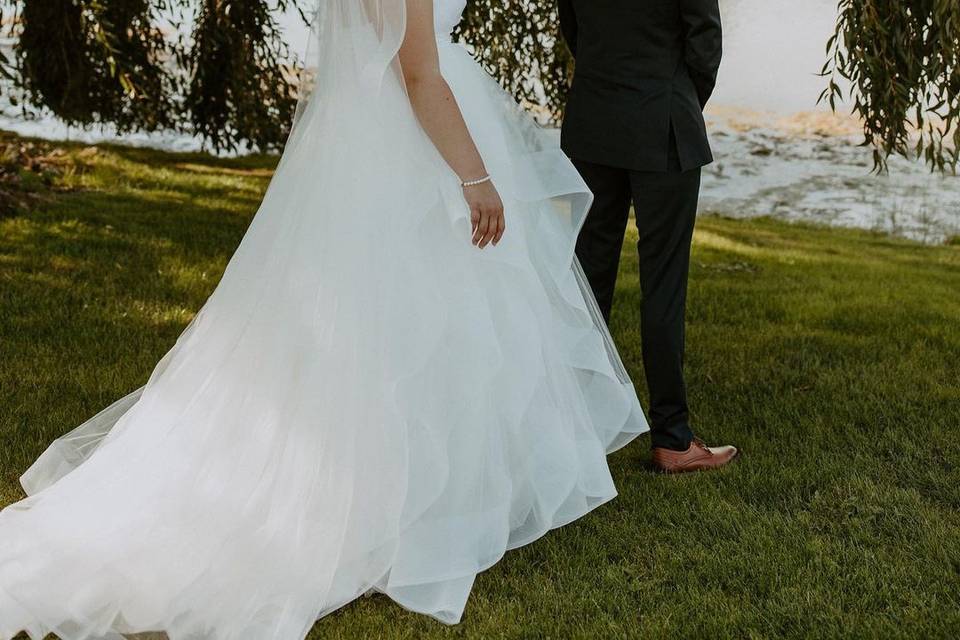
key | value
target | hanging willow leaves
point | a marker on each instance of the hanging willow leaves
(519, 43)
(902, 61)
(95, 61)
(108, 61)
(241, 86)
(230, 81)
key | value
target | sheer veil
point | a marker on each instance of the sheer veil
(352, 44)
(352, 49)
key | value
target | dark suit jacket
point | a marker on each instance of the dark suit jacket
(642, 67)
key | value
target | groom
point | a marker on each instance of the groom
(634, 129)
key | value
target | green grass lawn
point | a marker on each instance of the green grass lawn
(831, 357)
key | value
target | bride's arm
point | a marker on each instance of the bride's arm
(440, 116)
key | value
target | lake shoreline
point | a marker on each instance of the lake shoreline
(806, 166)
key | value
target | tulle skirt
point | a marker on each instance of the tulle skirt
(366, 401)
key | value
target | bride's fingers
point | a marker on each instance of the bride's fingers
(478, 232)
(475, 219)
(485, 230)
(501, 227)
(492, 226)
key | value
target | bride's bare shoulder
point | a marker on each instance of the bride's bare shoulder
(418, 54)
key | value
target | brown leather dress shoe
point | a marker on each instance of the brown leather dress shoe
(696, 458)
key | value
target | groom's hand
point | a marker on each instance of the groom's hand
(703, 44)
(486, 214)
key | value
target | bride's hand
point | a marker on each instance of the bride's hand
(486, 213)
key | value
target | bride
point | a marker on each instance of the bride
(401, 375)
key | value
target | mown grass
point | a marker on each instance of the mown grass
(831, 357)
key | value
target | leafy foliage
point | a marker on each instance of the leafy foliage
(239, 88)
(96, 61)
(519, 43)
(231, 81)
(109, 61)
(902, 58)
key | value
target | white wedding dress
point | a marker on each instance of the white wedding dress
(366, 402)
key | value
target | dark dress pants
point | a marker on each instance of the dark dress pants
(665, 204)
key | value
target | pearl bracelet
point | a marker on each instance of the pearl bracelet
(473, 183)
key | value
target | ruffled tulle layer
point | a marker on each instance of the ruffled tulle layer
(366, 402)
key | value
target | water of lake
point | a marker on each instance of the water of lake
(777, 153)
(773, 50)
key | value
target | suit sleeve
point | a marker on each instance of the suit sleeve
(568, 24)
(703, 44)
